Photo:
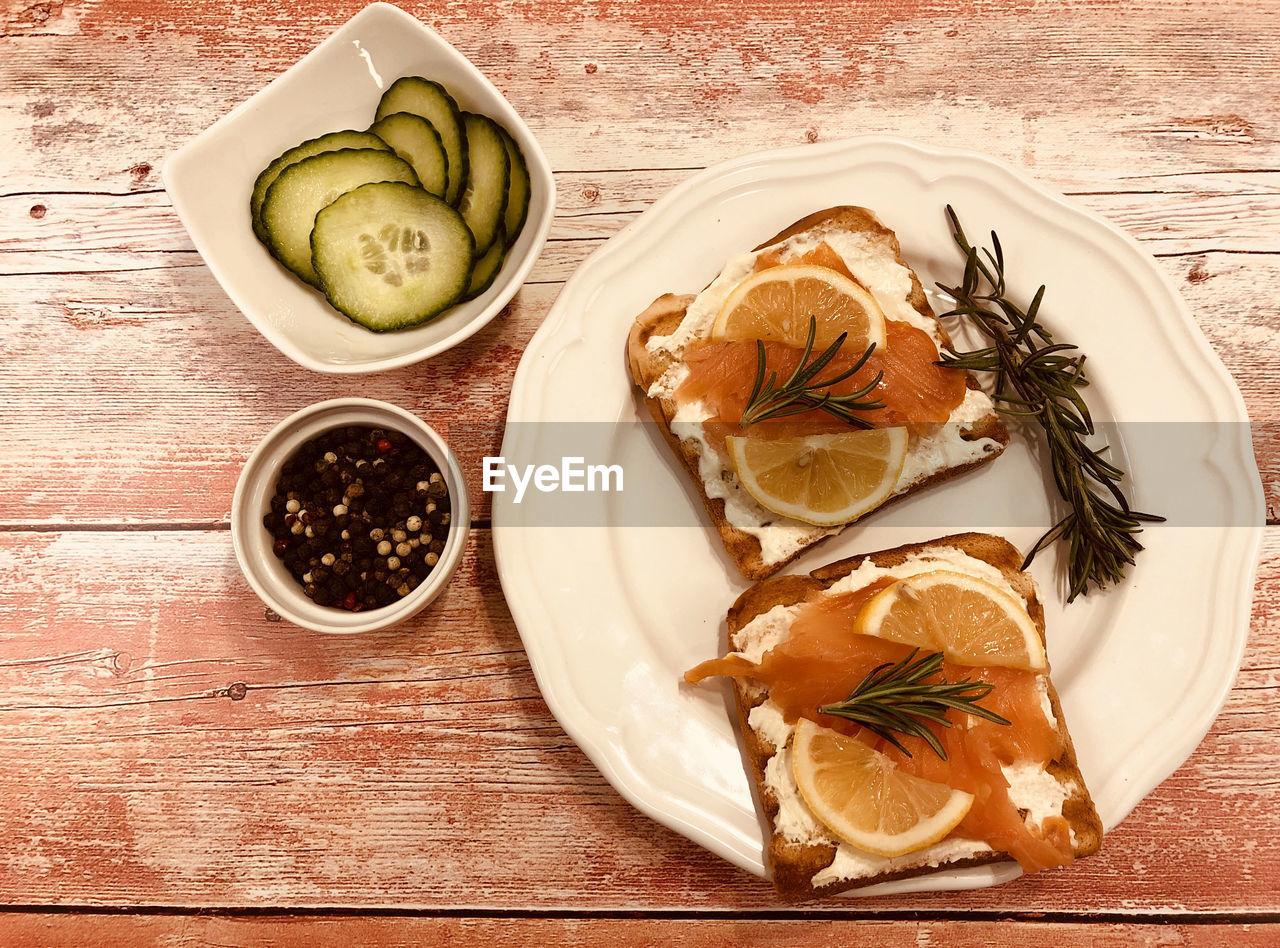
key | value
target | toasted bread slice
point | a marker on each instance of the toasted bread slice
(761, 543)
(803, 868)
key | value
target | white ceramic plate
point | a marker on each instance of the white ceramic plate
(336, 86)
(612, 611)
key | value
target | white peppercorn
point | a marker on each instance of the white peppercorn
(346, 517)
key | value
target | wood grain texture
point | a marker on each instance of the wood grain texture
(182, 386)
(1153, 79)
(302, 931)
(164, 743)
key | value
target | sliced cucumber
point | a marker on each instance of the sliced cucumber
(331, 142)
(431, 101)
(486, 267)
(292, 202)
(416, 140)
(484, 202)
(518, 191)
(391, 255)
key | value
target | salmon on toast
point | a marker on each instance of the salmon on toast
(801, 388)
(899, 717)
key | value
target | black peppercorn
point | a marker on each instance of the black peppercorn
(342, 495)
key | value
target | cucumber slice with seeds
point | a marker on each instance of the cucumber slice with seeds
(518, 191)
(416, 140)
(316, 146)
(484, 202)
(292, 202)
(431, 101)
(391, 255)
(486, 267)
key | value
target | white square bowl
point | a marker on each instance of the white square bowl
(337, 86)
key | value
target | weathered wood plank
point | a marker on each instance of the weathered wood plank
(42, 233)
(689, 86)
(298, 931)
(160, 372)
(163, 743)
(181, 386)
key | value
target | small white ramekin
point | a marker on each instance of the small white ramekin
(267, 574)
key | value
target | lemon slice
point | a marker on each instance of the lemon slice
(862, 796)
(775, 305)
(968, 619)
(824, 479)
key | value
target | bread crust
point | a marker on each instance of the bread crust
(664, 316)
(793, 865)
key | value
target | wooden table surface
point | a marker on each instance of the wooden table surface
(177, 767)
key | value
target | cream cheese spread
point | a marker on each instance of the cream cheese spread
(890, 283)
(1031, 788)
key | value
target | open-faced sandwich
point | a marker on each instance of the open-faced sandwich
(800, 389)
(898, 717)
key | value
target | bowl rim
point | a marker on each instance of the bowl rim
(256, 484)
(177, 177)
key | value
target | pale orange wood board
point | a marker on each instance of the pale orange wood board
(1060, 88)
(165, 743)
(158, 389)
(427, 772)
(300, 931)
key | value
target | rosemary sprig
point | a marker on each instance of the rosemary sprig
(800, 393)
(896, 699)
(1038, 378)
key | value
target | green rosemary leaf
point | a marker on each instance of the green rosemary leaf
(1034, 376)
(900, 700)
(800, 393)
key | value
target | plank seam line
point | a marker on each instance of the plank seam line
(694, 169)
(563, 171)
(559, 172)
(1202, 171)
(582, 215)
(104, 527)
(185, 266)
(206, 694)
(1207, 250)
(429, 680)
(177, 526)
(117, 248)
(660, 914)
(210, 526)
(114, 270)
(38, 194)
(1160, 192)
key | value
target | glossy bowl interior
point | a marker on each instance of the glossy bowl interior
(267, 574)
(337, 86)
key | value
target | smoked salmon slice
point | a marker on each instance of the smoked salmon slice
(913, 389)
(821, 662)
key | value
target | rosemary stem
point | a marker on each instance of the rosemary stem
(1034, 376)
